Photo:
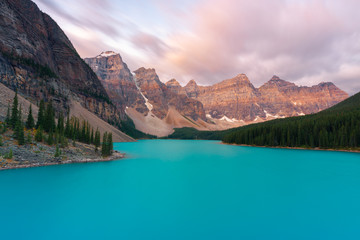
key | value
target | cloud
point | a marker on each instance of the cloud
(297, 40)
(302, 41)
(90, 14)
(149, 43)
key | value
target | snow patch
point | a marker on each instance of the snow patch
(272, 116)
(301, 114)
(296, 103)
(147, 103)
(106, 54)
(225, 118)
(208, 116)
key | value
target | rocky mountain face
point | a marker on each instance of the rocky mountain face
(117, 80)
(286, 99)
(141, 90)
(161, 97)
(232, 102)
(38, 60)
(237, 99)
(175, 87)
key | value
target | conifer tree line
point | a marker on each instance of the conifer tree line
(335, 128)
(50, 131)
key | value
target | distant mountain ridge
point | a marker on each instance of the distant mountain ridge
(231, 103)
(238, 99)
(335, 128)
(153, 107)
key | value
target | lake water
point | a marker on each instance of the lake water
(172, 189)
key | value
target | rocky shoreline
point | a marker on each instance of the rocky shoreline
(39, 154)
(116, 156)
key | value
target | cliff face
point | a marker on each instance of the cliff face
(162, 97)
(175, 86)
(279, 97)
(39, 60)
(238, 99)
(142, 90)
(234, 98)
(117, 80)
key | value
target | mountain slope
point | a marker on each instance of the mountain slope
(118, 81)
(153, 107)
(38, 60)
(238, 100)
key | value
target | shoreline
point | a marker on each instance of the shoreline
(116, 156)
(294, 148)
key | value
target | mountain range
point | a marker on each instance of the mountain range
(157, 108)
(39, 61)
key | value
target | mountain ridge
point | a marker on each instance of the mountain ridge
(39, 61)
(234, 101)
(275, 98)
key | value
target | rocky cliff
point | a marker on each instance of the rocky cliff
(175, 87)
(38, 60)
(142, 89)
(237, 99)
(232, 102)
(118, 81)
(283, 98)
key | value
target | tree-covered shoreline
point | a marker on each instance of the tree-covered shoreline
(52, 129)
(335, 128)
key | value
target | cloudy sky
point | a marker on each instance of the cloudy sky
(302, 41)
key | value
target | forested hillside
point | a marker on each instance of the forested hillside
(337, 128)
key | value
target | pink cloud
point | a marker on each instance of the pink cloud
(211, 40)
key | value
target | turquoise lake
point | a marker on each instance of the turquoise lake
(174, 189)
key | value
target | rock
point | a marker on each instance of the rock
(132, 90)
(117, 80)
(162, 97)
(175, 86)
(238, 99)
(38, 60)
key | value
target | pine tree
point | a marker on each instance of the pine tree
(60, 126)
(49, 121)
(104, 146)
(68, 127)
(88, 137)
(83, 132)
(57, 151)
(8, 117)
(97, 140)
(30, 120)
(39, 134)
(110, 146)
(92, 136)
(14, 112)
(50, 139)
(41, 113)
(28, 138)
(19, 130)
